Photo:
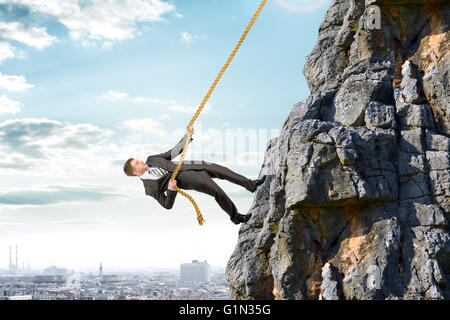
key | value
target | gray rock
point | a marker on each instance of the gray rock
(438, 160)
(354, 96)
(326, 61)
(423, 212)
(413, 115)
(437, 142)
(412, 141)
(440, 187)
(410, 85)
(410, 163)
(414, 186)
(306, 109)
(379, 115)
(356, 201)
(310, 108)
(436, 81)
(329, 286)
(319, 173)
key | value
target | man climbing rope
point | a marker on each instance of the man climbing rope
(194, 176)
(156, 172)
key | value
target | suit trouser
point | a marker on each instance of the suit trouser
(201, 180)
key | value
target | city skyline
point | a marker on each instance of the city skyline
(62, 284)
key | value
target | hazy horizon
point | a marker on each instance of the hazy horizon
(110, 269)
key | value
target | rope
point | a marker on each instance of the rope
(205, 99)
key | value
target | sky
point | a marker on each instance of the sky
(87, 84)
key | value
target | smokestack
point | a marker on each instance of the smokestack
(10, 258)
(17, 259)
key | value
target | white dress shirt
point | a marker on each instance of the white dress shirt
(149, 176)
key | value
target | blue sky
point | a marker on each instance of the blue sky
(84, 85)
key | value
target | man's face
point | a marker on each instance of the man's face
(139, 167)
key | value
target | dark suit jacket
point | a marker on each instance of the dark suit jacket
(158, 188)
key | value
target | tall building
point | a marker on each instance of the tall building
(10, 261)
(17, 258)
(100, 272)
(13, 268)
(106, 278)
(195, 271)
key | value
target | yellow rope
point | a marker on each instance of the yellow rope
(205, 99)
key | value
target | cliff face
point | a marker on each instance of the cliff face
(358, 192)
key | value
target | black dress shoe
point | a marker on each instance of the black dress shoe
(241, 218)
(259, 182)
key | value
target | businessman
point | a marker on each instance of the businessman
(157, 170)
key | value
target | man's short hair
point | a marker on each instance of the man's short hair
(128, 167)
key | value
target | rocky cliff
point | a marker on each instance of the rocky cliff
(358, 192)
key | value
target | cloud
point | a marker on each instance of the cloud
(32, 36)
(9, 106)
(188, 38)
(114, 95)
(146, 126)
(14, 83)
(301, 5)
(43, 147)
(100, 20)
(153, 100)
(183, 108)
(164, 116)
(32, 138)
(52, 194)
(107, 45)
(6, 51)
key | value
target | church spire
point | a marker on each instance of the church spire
(100, 271)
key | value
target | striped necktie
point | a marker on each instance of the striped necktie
(156, 171)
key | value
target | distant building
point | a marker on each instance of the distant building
(52, 274)
(24, 297)
(195, 271)
(100, 272)
(108, 278)
(54, 270)
(14, 268)
(48, 278)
